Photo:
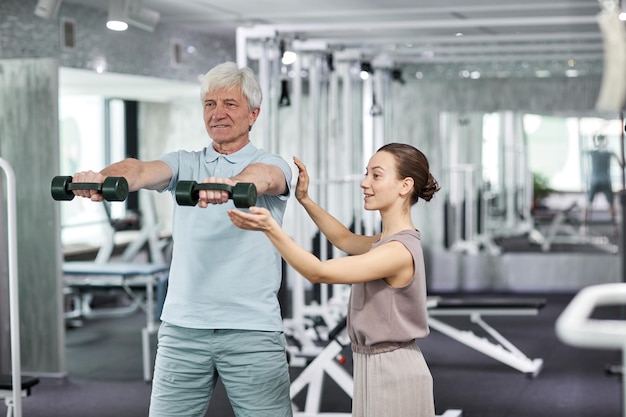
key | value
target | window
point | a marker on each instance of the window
(92, 135)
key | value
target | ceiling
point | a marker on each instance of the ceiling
(498, 38)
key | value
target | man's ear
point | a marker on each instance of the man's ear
(253, 116)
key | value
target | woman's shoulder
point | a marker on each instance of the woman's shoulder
(406, 234)
(408, 237)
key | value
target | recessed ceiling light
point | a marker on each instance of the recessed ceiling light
(117, 25)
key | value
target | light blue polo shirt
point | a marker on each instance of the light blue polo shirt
(222, 277)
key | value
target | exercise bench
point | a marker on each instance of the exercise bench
(123, 275)
(6, 389)
(500, 349)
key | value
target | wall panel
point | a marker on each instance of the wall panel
(29, 141)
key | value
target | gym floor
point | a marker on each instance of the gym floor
(105, 373)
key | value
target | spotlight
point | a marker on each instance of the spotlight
(366, 70)
(129, 12)
(118, 15)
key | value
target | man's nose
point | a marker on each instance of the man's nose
(219, 111)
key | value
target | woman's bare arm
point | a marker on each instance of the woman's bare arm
(338, 234)
(391, 261)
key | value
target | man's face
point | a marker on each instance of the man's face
(227, 117)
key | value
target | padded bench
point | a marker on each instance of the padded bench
(6, 389)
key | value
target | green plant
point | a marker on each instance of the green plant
(541, 187)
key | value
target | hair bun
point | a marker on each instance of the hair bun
(431, 187)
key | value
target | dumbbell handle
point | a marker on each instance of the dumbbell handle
(96, 186)
(213, 186)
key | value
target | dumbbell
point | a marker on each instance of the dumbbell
(112, 189)
(243, 194)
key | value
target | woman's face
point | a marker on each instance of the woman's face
(381, 186)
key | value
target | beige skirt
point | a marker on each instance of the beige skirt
(392, 384)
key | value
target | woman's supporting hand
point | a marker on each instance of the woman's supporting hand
(257, 218)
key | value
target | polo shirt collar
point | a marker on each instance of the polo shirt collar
(242, 155)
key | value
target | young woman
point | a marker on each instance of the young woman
(387, 307)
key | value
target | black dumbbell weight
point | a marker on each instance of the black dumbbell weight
(243, 194)
(112, 189)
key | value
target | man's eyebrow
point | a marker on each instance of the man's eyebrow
(226, 99)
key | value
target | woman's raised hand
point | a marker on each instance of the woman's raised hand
(302, 187)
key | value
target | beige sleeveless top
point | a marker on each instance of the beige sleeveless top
(382, 318)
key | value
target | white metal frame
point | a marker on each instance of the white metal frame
(313, 377)
(575, 327)
(502, 350)
(14, 309)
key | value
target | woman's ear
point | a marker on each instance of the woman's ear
(407, 186)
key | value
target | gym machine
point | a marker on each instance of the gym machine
(576, 327)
